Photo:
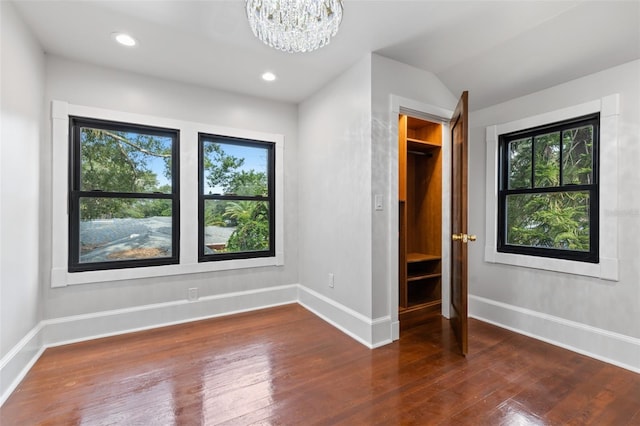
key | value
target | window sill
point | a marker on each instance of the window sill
(61, 278)
(607, 269)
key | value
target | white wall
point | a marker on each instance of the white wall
(88, 85)
(348, 153)
(598, 317)
(334, 189)
(421, 87)
(21, 91)
(35, 315)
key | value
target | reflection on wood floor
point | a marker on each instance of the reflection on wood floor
(286, 366)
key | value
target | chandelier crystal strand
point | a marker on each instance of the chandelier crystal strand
(294, 25)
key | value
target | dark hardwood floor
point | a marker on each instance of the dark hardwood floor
(286, 366)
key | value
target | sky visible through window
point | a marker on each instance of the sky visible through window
(254, 159)
(157, 166)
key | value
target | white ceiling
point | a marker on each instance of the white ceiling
(497, 50)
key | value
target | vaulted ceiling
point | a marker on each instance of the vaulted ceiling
(497, 50)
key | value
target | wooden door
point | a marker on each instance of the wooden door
(459, 236)
(402, 210)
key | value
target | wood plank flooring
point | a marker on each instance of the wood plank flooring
(285, 366)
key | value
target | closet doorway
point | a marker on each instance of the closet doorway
(432, 248)
(420, 160)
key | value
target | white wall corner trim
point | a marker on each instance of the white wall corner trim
(372, 333)
(607, 268)
(60, 277)
(613, 348)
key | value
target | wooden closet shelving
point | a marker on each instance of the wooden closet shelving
(420, 209)
(419, 142)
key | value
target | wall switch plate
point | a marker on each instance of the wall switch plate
(378, 201)
(193, 294)
(331, 280)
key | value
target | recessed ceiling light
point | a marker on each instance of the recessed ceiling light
(124, 39)
(268, 76)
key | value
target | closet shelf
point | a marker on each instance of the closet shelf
(419, 306)
(421, 257)
(418, 277)
(420, 142)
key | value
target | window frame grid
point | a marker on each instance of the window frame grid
(76, 194)
(591, 256)
(270, 198)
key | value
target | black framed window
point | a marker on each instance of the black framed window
(236, 213)
(548, 190)
(123, 195)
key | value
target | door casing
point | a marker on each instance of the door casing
(400, 105)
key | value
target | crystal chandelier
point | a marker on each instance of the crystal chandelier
(294, 25)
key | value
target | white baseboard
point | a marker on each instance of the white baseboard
(371, 333)
(614, 348)
(60, 331)
(78, 328)
(15, 365)
(607, 346)
(395, 330)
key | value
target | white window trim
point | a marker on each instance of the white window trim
(607, 268)
(60, 277)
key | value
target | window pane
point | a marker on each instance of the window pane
(547, 160)
(520, 164)
(577, 156)
(236, 226)
(119, 161)
(557, 220)
(235, 169)
(124, 228)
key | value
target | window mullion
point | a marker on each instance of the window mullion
(110, 194)
(560, 166)
(550, 189)
(236, 197)
(533, 161)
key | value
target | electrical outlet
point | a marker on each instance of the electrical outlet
(193, 294)
(331, 280)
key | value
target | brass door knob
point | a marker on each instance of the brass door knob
(465, 238)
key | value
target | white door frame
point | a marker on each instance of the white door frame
(417, 109)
